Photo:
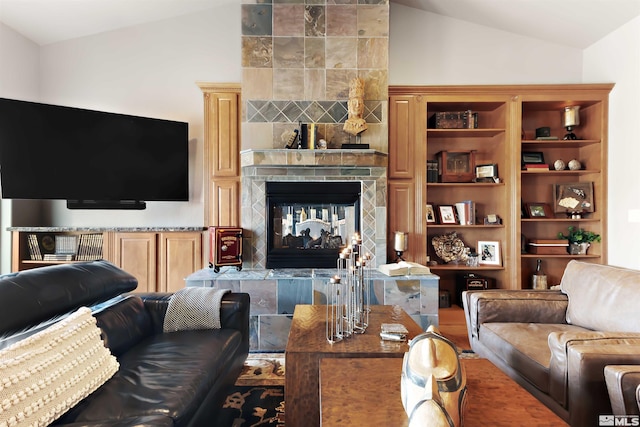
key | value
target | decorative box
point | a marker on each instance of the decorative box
(454, 120)
(548, 246)
(472, 282)
(456, 166)
(225, 247)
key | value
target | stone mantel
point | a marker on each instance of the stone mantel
(317, 158)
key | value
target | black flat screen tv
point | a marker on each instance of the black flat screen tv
(90, 158)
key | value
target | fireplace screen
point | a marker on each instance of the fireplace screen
(310, 222)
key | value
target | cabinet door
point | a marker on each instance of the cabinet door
(225, 201)
(401, 131)
(136, 254)
(221, 153)
(180, 254)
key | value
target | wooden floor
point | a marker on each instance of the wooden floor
(453, 326)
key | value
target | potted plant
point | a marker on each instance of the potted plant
(579, 239)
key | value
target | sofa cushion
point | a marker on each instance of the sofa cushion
(163, 375)
(524, 347)
(124, 324)
(35, 296)
(44, 375)
(602, 297)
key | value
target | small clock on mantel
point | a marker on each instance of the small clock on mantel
(456, 166)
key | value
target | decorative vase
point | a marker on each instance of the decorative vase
(578, 248)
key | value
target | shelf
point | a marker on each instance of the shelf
(456, 133)
(465, 184)
(431, 225)
(559, 220)
(560, 143)
(38, 262)
(563, 172)
(559, 256)
(465, 268)
(505, 112)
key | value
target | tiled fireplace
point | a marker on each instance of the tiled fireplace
(276, 291)
(367, 167)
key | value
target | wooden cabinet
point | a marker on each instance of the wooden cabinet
(180, 254)
(36, 247)
(160, 259)
(507, 119)
(137, 254)
(406, 175)
(222, 114)
(544, 109)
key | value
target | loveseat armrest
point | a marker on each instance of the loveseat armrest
(576, 369)
(518, 306)
(623, 384)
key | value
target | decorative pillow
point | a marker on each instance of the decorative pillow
(602, 297)
(43, 376)
(194, 309)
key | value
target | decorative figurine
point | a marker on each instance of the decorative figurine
(433, 383)
(575, 165)
(559, 165)
(355, 124)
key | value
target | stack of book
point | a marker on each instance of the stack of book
(536, 167)
(85, 247)
(89, 247)
(34, 248)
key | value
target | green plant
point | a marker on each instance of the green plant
(579, 235)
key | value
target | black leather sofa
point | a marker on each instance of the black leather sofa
(165, 379)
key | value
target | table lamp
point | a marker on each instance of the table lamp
(570, 118)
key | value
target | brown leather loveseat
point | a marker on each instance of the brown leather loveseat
(556, 343)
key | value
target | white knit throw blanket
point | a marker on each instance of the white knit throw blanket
(46, 374)
(194, 308)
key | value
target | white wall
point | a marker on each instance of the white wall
(19, 67)
(429, 49)
(616, 58)
(148, 70)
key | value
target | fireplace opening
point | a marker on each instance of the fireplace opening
(309, 223)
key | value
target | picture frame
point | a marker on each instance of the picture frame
(532, 157)
(430, 214)
(486, 172)
(538, 210)
(573, 197)
(447, 214)
(489, 252)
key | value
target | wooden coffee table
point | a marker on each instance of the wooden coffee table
(307, 346)
(356, 392)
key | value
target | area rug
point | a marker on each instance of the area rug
(252, 406)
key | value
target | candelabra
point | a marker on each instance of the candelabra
(348, 296)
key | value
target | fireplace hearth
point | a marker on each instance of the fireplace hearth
(349, 177)
(310, 223)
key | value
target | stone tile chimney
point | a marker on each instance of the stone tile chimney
(298, 58)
